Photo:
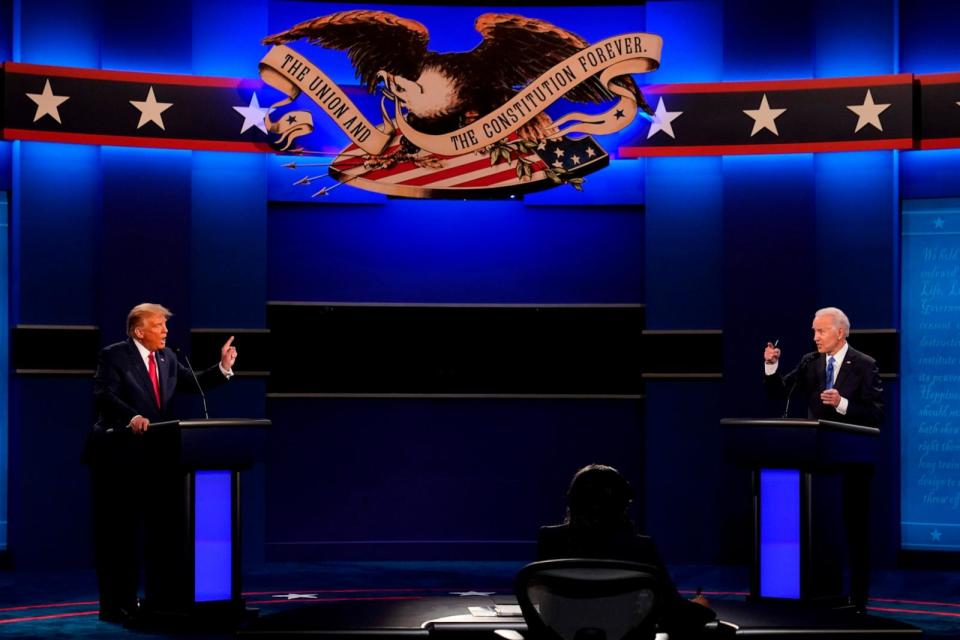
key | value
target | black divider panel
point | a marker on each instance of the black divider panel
(512, 350)
(883, 345)
(683, 353)
(54, 349)
(253, 349)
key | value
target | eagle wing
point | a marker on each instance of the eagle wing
(373, 40)
(519, 49)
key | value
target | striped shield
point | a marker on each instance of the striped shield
(511, 167)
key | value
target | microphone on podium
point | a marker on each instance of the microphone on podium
(203, 397)
(807, 359)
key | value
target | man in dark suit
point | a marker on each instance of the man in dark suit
(853, 394)
(840, 384)
(133, 386)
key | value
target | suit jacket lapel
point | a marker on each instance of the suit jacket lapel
(845, 367)
(136, 362)
(165, 375)
(821, 371)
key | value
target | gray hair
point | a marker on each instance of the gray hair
(840, 319)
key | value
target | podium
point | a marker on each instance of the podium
(798, 532)
(192, 555)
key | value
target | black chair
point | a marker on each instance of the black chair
(590, 599)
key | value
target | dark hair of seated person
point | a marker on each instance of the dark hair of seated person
(598, 525)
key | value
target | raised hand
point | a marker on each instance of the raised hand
(771, 355)
(228, 354)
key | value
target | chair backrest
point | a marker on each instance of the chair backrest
(589, 599)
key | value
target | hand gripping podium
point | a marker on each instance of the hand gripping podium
(192, 556)
(798, 467)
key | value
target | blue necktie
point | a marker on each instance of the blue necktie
(830, 362)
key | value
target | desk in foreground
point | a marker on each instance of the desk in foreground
(449, 618)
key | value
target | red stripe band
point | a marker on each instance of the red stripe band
(52, 616)
(779, 85)
(130, 76)
(133, 141)
(790, 147)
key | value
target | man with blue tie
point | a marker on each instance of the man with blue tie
(840, 384)
(133, 386)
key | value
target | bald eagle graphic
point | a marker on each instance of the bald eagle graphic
(443, 92)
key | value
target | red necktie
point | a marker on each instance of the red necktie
(154, 379)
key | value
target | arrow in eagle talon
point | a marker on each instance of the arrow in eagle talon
(308, 179)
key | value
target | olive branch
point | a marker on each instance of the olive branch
(517, 150)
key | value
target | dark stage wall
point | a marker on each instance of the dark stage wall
(724, 253)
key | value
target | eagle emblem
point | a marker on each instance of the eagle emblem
(477, 115)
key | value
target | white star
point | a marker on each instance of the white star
(935, 534)
(296, 596)
(47, 103)
(150, 110)
(542, 146)
(938, 223)
(764, 117)
(558, 164)
(662, 119)
(868, 112)
(575, 159)
(591, 152)
(559, 152)
(253, 114)
(472, 593)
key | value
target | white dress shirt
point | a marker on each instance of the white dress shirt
(145, 356)
(838, 357)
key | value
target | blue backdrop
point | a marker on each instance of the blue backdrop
(931, 361)
(744, 245)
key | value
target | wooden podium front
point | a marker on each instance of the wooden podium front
(797, 470)
(192, 557)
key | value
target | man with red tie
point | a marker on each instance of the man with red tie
(133, 386)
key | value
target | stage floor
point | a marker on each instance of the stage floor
(63, 604)
(468, 616)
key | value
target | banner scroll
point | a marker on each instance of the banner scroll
(293, 74)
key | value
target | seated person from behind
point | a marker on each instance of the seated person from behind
(598, 525)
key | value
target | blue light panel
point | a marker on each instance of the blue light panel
(692, 32)
(228, 228)
(930, 174)
(929, 352)
(495, 251)
(59, 222)
(212, 544)
(684, 194)
(57, 32)
(226, 37)
(779, 533)
(856, 209)
(928, 42)
(854, 38)
(4, 363)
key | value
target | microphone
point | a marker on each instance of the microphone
(804, 361)
(180, 354)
